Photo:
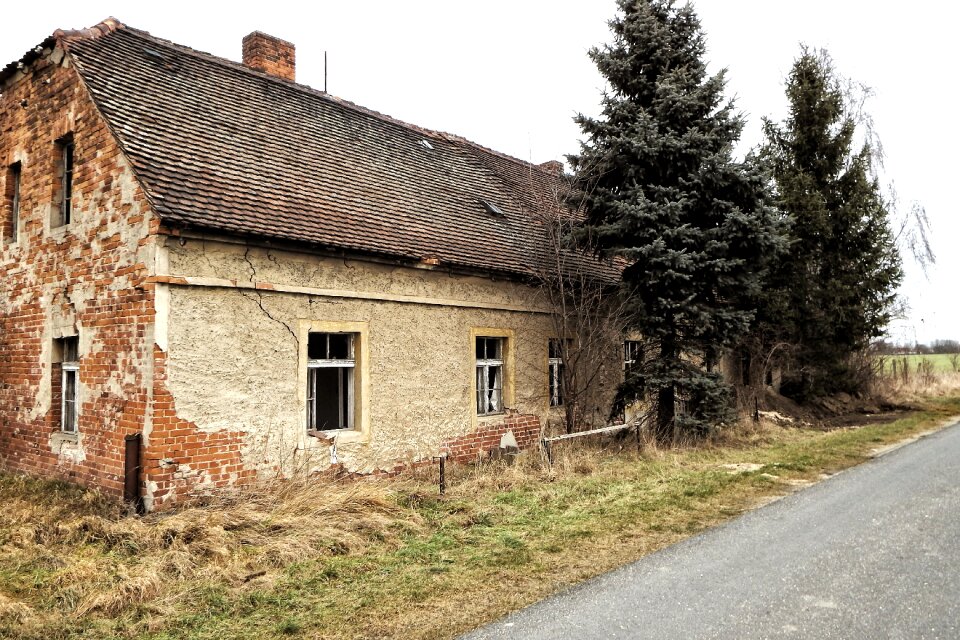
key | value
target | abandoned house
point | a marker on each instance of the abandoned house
(245, 276)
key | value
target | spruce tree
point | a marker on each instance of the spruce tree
(664, 194)
(834, 290)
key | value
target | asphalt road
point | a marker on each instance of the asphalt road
(873, 552)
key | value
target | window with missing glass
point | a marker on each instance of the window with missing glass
(12, 200)
(631, 354)
(331, 370)
(489, 375)
(556, 356)
(63, 212)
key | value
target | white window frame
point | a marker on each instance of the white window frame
(69, 372)
(556, 367)
(346, 382)
(490, 399)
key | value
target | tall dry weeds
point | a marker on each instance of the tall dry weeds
(233, 538)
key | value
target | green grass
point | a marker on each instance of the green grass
(502, 538)
(941, 362)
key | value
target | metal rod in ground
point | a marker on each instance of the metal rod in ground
(756, 409)
(443, 474)
(548, 449)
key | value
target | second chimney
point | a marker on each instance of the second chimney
(270, 55)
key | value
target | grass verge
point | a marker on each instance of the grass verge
(322, 559)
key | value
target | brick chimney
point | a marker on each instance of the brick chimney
(270, 55)
(553, 166)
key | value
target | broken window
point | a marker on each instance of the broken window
(12, 202)
(631, 354)
(489, 375)
(64, 195)
(66, 350)
(556, 354)
(331, 366)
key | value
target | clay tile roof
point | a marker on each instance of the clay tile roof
(221, 147)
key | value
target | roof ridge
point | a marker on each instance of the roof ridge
(102, 28)
(232, 64)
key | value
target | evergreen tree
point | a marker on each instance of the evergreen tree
(663, 193)
(833, 291)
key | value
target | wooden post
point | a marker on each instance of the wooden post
(443, 474)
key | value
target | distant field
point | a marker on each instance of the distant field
(941, 361)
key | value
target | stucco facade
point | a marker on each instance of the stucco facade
(237, 352)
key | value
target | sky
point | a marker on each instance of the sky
(511, 74)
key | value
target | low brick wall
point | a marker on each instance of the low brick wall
(525, 428)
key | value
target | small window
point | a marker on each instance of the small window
(631, 354)
(11, 199)
(489, 375)
(557, 351)
(67, 352)
(331, 368)
(63, 212)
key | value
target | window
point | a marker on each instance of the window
(631, 354)
(489, 375)
(66, 350)
(12, 202)
(331, 367)
(64, 196)
(555, 355)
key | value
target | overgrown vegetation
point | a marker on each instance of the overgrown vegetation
(325, 559)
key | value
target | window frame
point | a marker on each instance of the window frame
(346, 405)
(470, 372)
(484, 365)
(361, 379)
(69, 347)
(66, 166)
(556, 367)
(632, 349)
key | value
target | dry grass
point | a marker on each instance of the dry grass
(85, 558)
(324, 559)
(917, 385)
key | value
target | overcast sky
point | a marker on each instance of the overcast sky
(510, 74)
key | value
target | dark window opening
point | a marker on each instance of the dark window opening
(64, 209)
(11, 199)
(331, 366)
(631, 354)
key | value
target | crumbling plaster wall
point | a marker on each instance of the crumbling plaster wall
(83, 279)
(236, 355)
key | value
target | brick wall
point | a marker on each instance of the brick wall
(180, 459)
(82, 279)
(525, 428)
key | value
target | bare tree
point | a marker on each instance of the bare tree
(587, 311)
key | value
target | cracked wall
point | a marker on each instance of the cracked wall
(236, 360)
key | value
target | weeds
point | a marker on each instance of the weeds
(358, 559)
